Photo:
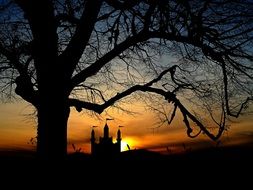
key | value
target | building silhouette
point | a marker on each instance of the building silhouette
(105, 146)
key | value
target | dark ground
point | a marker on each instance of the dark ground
(214, 167)
(237, 155)
(219, 154)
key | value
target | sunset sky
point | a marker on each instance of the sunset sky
(18, 126)
(194, 56)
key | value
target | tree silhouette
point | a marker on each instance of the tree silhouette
(91, 54)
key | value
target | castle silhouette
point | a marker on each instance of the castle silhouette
(105, 146)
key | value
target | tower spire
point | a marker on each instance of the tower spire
(119, 135)
(106, 131)
(119, 140)
(92, 140)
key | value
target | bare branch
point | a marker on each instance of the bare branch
(24, 87)
(95, 67)
(125, 5)
(125, 93)
(111, 49)
(76, 46)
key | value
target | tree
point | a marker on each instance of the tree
(90, 54)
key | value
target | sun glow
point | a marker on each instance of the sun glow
(127, 144)
(124, 146)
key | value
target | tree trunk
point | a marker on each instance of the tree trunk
(53, 116)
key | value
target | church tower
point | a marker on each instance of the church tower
(105, 146)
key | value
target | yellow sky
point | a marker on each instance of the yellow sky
(17, 128)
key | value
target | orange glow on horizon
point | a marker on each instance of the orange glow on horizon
(16, 129)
